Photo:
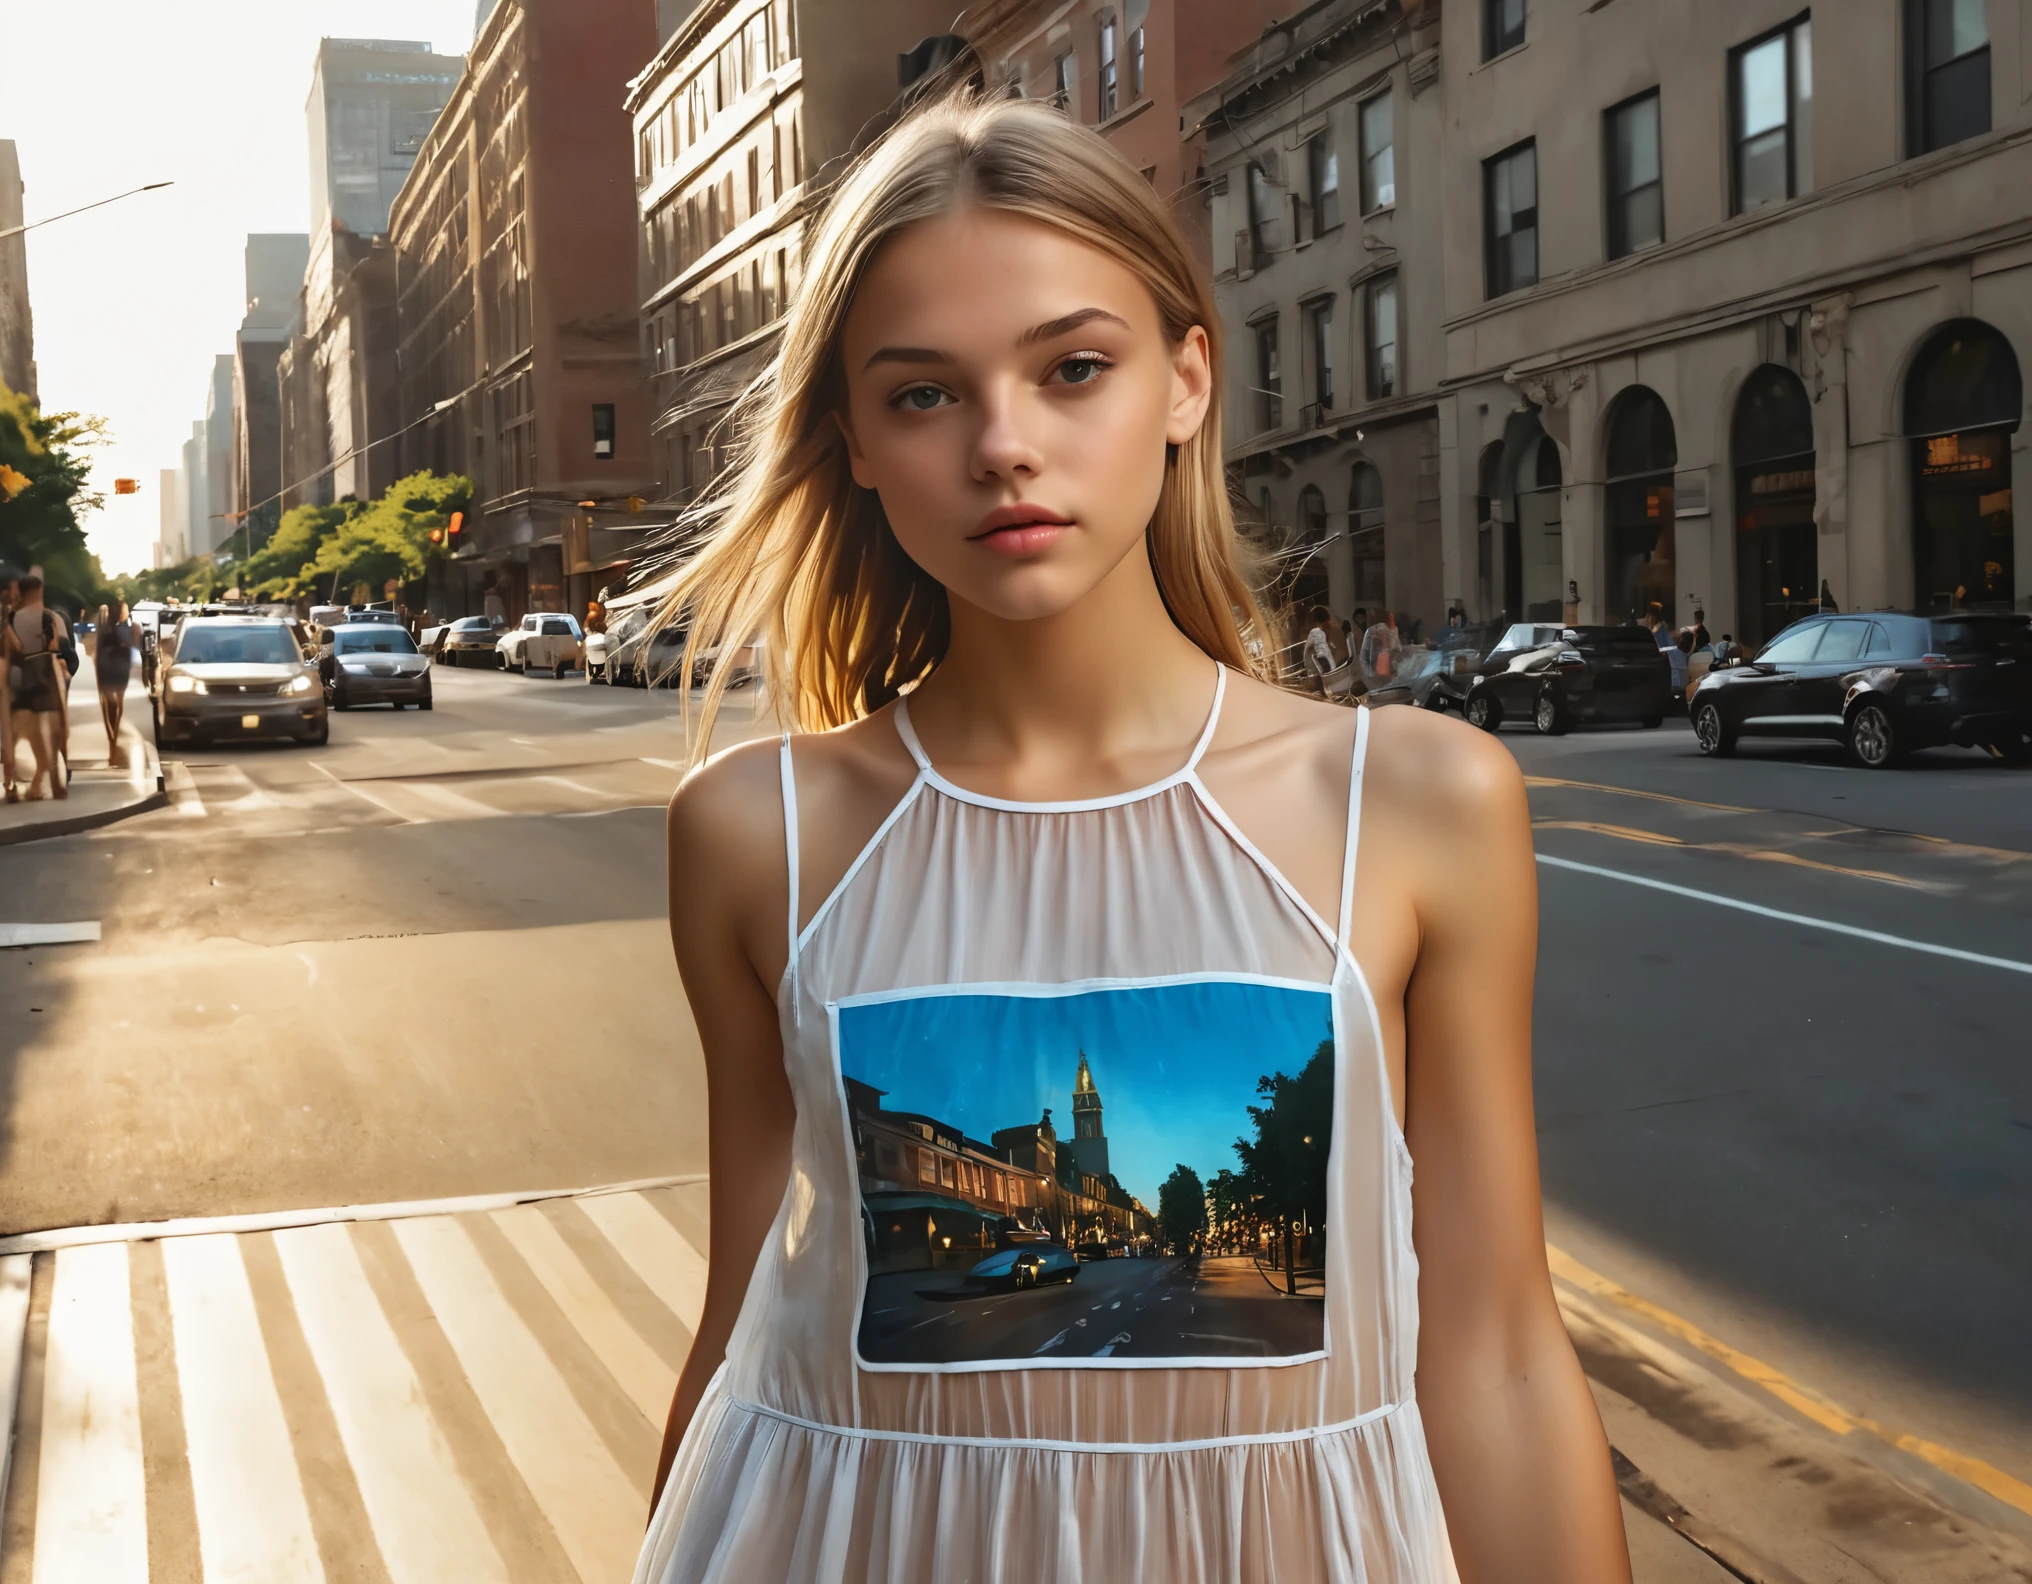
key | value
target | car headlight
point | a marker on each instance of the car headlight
(300, 684)
(185, 684)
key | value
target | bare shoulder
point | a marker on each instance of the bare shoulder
(1265, 724)
(727, 814)
(1433, 768)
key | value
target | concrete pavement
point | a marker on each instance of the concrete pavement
(105, 788)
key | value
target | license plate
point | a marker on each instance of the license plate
(250, 722)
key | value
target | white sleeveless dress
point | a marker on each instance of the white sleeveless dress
(972, 1352)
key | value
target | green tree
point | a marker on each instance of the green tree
(283, 565)
(1181, 1208)
(44, 493)
(1285, 1163)
(389, 538)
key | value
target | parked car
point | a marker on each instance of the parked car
(545, 641)
(1031, 1265)
(628, 654)
(466, 640)
(373, 663)
(1883, 684)
(235, 676)
(744, 663)
(1560, 677)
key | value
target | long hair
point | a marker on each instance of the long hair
(790, 549)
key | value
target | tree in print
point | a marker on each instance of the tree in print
(1284, 1166)
(1181, 1209)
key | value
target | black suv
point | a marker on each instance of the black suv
(1557, 677)
(1884, 684)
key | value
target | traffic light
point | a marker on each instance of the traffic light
(11, 482)
(457, 526)
(437, 536)
(126, 486)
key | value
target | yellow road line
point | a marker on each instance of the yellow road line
(1634, 833)
(1637, 833)
(1655, 797)
(1804, 1399)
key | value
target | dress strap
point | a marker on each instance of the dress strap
(790, 855)
(1213, 719)
(909, 735)
(1354, 823)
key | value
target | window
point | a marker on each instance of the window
(1510, 218)
(1319, 342)
(1265, 224)
(603, 430)
(1379, 335)
(1636, 186)
(1323, 167)
(1269, 382)
(1061, 81)
(1947, 48)
(1502, 26)
(1771, 86)
(1106, 107)
(1379, 154)
(1136, 63)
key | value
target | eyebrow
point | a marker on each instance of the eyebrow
(1050, 330)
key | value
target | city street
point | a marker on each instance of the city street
(1784, 1166)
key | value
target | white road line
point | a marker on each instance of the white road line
(574, 786)
(589, 1499)
(253, 1524)
(48, 934)
(183, 790)
(14, 1275)
(453, 803)
(1882, 939)
(372, 799)
(422, 1515)
(91, 1505)
(649, 1382)
(671, 1267)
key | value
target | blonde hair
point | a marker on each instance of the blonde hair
(791, 549)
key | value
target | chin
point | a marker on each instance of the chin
(1024, 592)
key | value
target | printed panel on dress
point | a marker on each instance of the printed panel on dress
(1106, 1175)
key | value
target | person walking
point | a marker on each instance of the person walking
(9, 594)
(113, 667)
(987, 471)
(1380, 646)
(1661, 631)
(38, 680)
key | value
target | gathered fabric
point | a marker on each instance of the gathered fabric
(895, 1410)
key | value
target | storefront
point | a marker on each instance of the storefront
(1642, 452)
(1777, 558)
(1963, 400)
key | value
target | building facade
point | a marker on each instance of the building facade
(214, 525)
(372, 104)
(519, 362)
(1736, 303)
(274, 264)
(17, 323)
(172, 534)
(1323, 164)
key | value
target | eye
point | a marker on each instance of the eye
(919, 398)
(1082, 368)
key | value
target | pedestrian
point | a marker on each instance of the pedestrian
(1380, 646)
(38, 680)
(1318, 647)
(9, 593)
(1661, 630)
(113, 667)
(1701, 637)
(986, 467)
(1827, 600)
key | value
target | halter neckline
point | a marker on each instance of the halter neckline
(928, 772)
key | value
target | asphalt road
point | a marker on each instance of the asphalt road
(1121, 1308)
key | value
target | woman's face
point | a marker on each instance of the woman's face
(1010, 393)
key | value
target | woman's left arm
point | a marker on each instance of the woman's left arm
(1517, 1445)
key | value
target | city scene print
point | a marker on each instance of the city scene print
(1059, 1177)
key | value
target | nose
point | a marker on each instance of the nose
(1005, 445)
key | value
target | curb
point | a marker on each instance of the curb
(71, 824)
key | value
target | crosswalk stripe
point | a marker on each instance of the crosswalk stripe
(456, 804)
(649, 1382)
(423, 1516)
(672, 1268)
(15, 1272)
(91, 1517)
(585, 1494)
(253, 1523)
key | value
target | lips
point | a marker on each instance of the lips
(1020, 530)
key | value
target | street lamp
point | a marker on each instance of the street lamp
(17, 230)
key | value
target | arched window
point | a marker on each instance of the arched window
(1963, 399)
(1540, 537)
(1312, 514)
(1309, 583)
(1642, 452)
(1777, 557)
(1365, 534)
(1489, 482)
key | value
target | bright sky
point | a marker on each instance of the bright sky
(132, 301)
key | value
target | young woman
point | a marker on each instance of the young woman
(113, 665)
(1093, 866)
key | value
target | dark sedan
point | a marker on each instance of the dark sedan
(1882, 684)
(1560, 677)
(468, 641)
(1031, 1265)
(374, 663)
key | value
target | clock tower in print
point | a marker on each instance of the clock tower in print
(1089, 1140)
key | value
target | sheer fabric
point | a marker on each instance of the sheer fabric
(803, 1466)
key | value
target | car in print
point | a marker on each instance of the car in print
(1028, 1265)
(544, 641)
(1557, 678)
(1882, 684)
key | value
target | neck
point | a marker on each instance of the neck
(1106, 680)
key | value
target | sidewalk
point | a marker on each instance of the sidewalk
(469, 1390)
(100, 792)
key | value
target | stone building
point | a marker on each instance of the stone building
(17, 324)
(519, 362)
(1324, 168)
(1735, 303)
(274, 264)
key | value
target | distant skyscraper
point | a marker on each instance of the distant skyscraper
(372, 103)
(275, 265)
(17, 327)
(210, 532)
(175, 529)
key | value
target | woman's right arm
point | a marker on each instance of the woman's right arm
(728, 882)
